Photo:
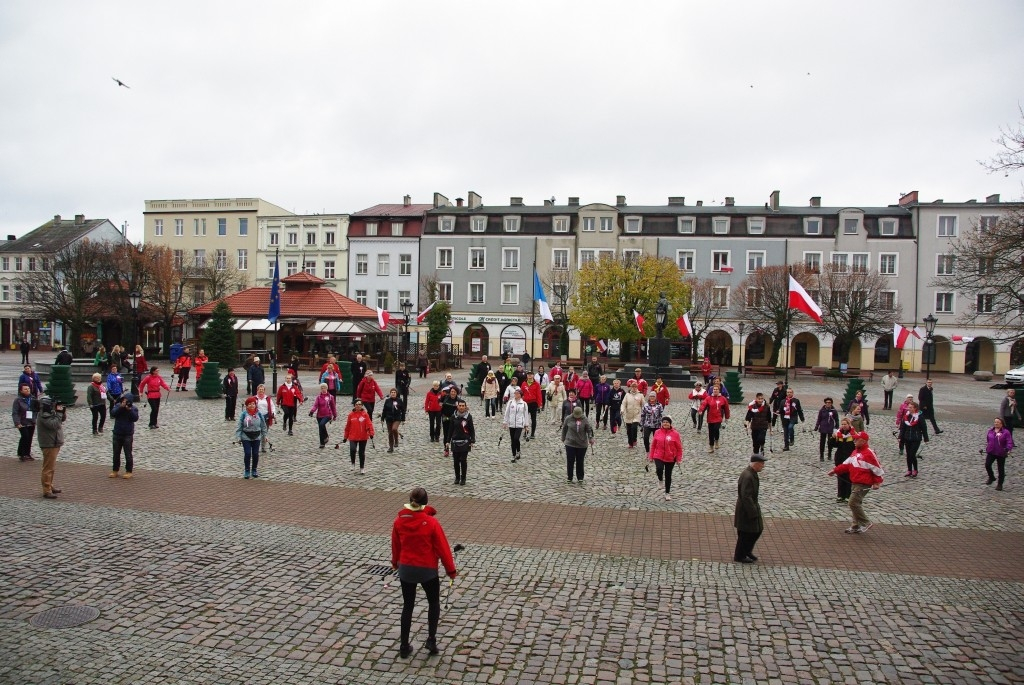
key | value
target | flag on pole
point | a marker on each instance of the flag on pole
(602, 346)
(274, 311)
(639, 321)
(383, 318)
(918, 333)
(963, 339)
(422, 315)
(800, 300)
(685, 328)
(542, 302)
(900, 335)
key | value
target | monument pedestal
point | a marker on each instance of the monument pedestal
(659, 352)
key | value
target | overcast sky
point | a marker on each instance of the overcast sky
(337, 106)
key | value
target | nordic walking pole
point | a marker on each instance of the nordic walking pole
(451, 581)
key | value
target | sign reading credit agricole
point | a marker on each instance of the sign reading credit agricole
(461, 318)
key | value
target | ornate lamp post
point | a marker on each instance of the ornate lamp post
(135, 298)
(406, 312)
(740, 365)
(929, 343)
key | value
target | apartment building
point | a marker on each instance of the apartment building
(316, 244)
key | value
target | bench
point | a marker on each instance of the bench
(759, 371)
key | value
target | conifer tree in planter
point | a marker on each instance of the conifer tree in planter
(219, 337)
(60, 386)
(208, 387)
(734, 386)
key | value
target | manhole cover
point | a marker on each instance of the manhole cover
(65, 617)
(375, 570)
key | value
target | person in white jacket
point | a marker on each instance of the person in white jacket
(889, 383)
(515, 419)
(555, 396)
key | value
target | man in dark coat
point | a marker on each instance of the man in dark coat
(25, 347)
(776, 398)
(926, 399)
(358, 369)
(594, 370)
(748, 520)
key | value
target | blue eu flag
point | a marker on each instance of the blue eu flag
(275, 293)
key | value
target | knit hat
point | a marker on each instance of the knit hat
(577, 413)
(863, 435)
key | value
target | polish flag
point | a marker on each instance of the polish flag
(639, 321)
(685, 328)
(963, 339)
(602, 346)
(900, 336)
(918, 333)
(383, 318)
(422, 315)
(800, 300)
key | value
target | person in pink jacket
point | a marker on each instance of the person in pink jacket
(585, 393)
(149, 387)
(666, 452)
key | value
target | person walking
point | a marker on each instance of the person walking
(489, 392)
(585, 393)
(330, 373)
(115, 386)
(889, 383)
(859, 399)
(900, 413)
(650, 418)
(571, 402)
(462, 440)
(534, 398)
(666, 452)
(393, 414)
(1008, 410)
(843, 443)
(368, 392)
(632, 406)
(250, 432)
(857, 421)
(515, 419)
(449, 405)
(289, 397)
(50, 434)
(358, 429)
(555, 397)
(421, 364)
(183, 367)
(826, 426)
(24, 414)
(791, 413)
(910, 435)
(641, 382)
(432, 405)
(325, 410)
(717, 408)
(265, 406)
(747, 518)
(705, 370)
(125, 415)
(418, 543)
(96, 398)
(254, 376)
(31, 378)
(615, 398)
(230, 387)
(577, 434)
(602, 401)
(150, 389)
(758, 421)
(358, 370)
(865, 473)
(696, 397)
(403, 381)
(776, 399)
(998, 443)
(595, 371)
(926, 402)
(661, 390)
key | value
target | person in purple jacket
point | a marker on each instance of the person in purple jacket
(997, 446)
(602, 401)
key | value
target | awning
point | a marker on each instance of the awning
(247, 324)
(357, 326)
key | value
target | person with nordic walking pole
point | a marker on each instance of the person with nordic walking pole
(418, 543)
(826, 425)
(865, 474)
(463, 437)
(998, 443)
(515, 419)
(577, 434)
(326, 410)
(666, 452)
(358, 429)
(758, 421)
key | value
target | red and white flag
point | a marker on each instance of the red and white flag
(918, 333)
(900, 335)
(602, 346)
(685, 329)
(639, 321)
(422, 315)
(800, 300)
(963, 339)
(383, 318)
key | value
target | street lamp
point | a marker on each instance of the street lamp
(135, 298)
(741, 366)
(929, 343)
(406, 312)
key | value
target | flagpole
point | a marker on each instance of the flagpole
(277, 328)
(789, 318)
(533, 309)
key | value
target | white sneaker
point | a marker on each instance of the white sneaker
(362, 471)
(668, 498)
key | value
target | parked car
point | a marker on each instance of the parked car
(1014, 376)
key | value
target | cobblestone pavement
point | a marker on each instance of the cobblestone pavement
(218, 598)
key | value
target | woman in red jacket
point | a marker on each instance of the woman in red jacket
(533, 396)
(150, 387)
(368, 391)
(661, 391)
(666, 452)
(432, 405)
(717, 408)
(417, 543)
(358, 429)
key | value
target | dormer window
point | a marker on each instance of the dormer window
(687, 225)
(479, 224)
(446, 224)
(721, 225)
(755, 225)
(812, 225)
(634, 224)
(371, 228)
(511, 224)
(396, 228)
(560, 224)
(851, 226)
(887, 227)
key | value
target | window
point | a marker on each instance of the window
(511, 224)
(720, 225)
(476, 293)
(291, 267)
(405, 265)
(243, 226)
(888, 264)
(445, 258)
(309, 266)
(887, 300)
(46, 264)
(755, 261)
(560, 224)
(589, 224)
(850, 226)
(197, 225)
(812, 226)
(685, 259)
(812, 260)
(687, 224)
(158, 227)
(199, 294)
(362, 265)
(560, 293)
(404, 296)
(5, 264)
(361, 297)
(397, 228)
(18, 297)
(887, 227)
(719, 260)
(607, 224)
(633, 224)
(860, 262)
(754, 297)
(986, 266)
(179, 227)
(479, 224)
(444, 292)
(859, 298)
(17, 263)
(270, 270)
(222, 226)
(840, 262)
(274, 238)
(179, 259)
(311, 237)
(293, 237)
(243, 259)
(222, 260)
(382, 299)
(5, 293)
(986, 302)
(631, 256)
(838, 299)
(560, 259)
(329, 269)
(720, 297)
(199, 258)
(383, 265)
(446, 224)
(987, 223)
(944, 303)
(477, 258)
(510, 293)
(31, 263)
(586, 256)
(945, 265)
(947, 226)
(755, 225)
(329, 238)
(371, 228)
(510, 259)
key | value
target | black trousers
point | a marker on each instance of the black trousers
(911, 447)
(514, 435)
(432, 589)
(664, 471)
(533, 419)
(229, 406)
(631, 432)
(601, 411)
(99, 416)
(844, 488)
(745, 542)
(446, 427)
(586, 406)
(123, 442)
(823, 442)
(321, 423)
(288, 418)
(359, 446)
(930, 415)
(648, 432)
(435, 425)
(459, 461)
(574, 461)
(1000, 462)
(616, 421)
(757, 438)
(154, 410)
(887, 399)
(714, 433)
(697, 417)
(25, 443)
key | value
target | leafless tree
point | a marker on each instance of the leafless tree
(763, 300)
(706, 310)
(856, 304)
(1010, 156)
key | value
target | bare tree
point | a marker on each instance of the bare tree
(560, 286)
(856, 305)
(217, 278)
(706, 309)
(1010, 156)
(165, 288)
(763, 300)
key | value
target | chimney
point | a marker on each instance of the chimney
(56, 218)
(458, 202)
(774, 201)
(79, 219)
(11, 237)
(816, 201)
(620, 200)
(992, 199)
(908, 198)
(516, 201)
(474, 200)
(677, 201)
(700, 203)
(972, 201)
(575, 201)
(548, 203)
(439, 200)
(730, 201)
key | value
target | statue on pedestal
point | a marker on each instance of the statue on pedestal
(661, 314)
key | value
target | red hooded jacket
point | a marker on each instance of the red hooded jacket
(359, 426)
(367, 389)
(432, 401)
(532, 394)
(417, 539)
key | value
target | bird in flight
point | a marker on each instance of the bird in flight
(120, 82)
